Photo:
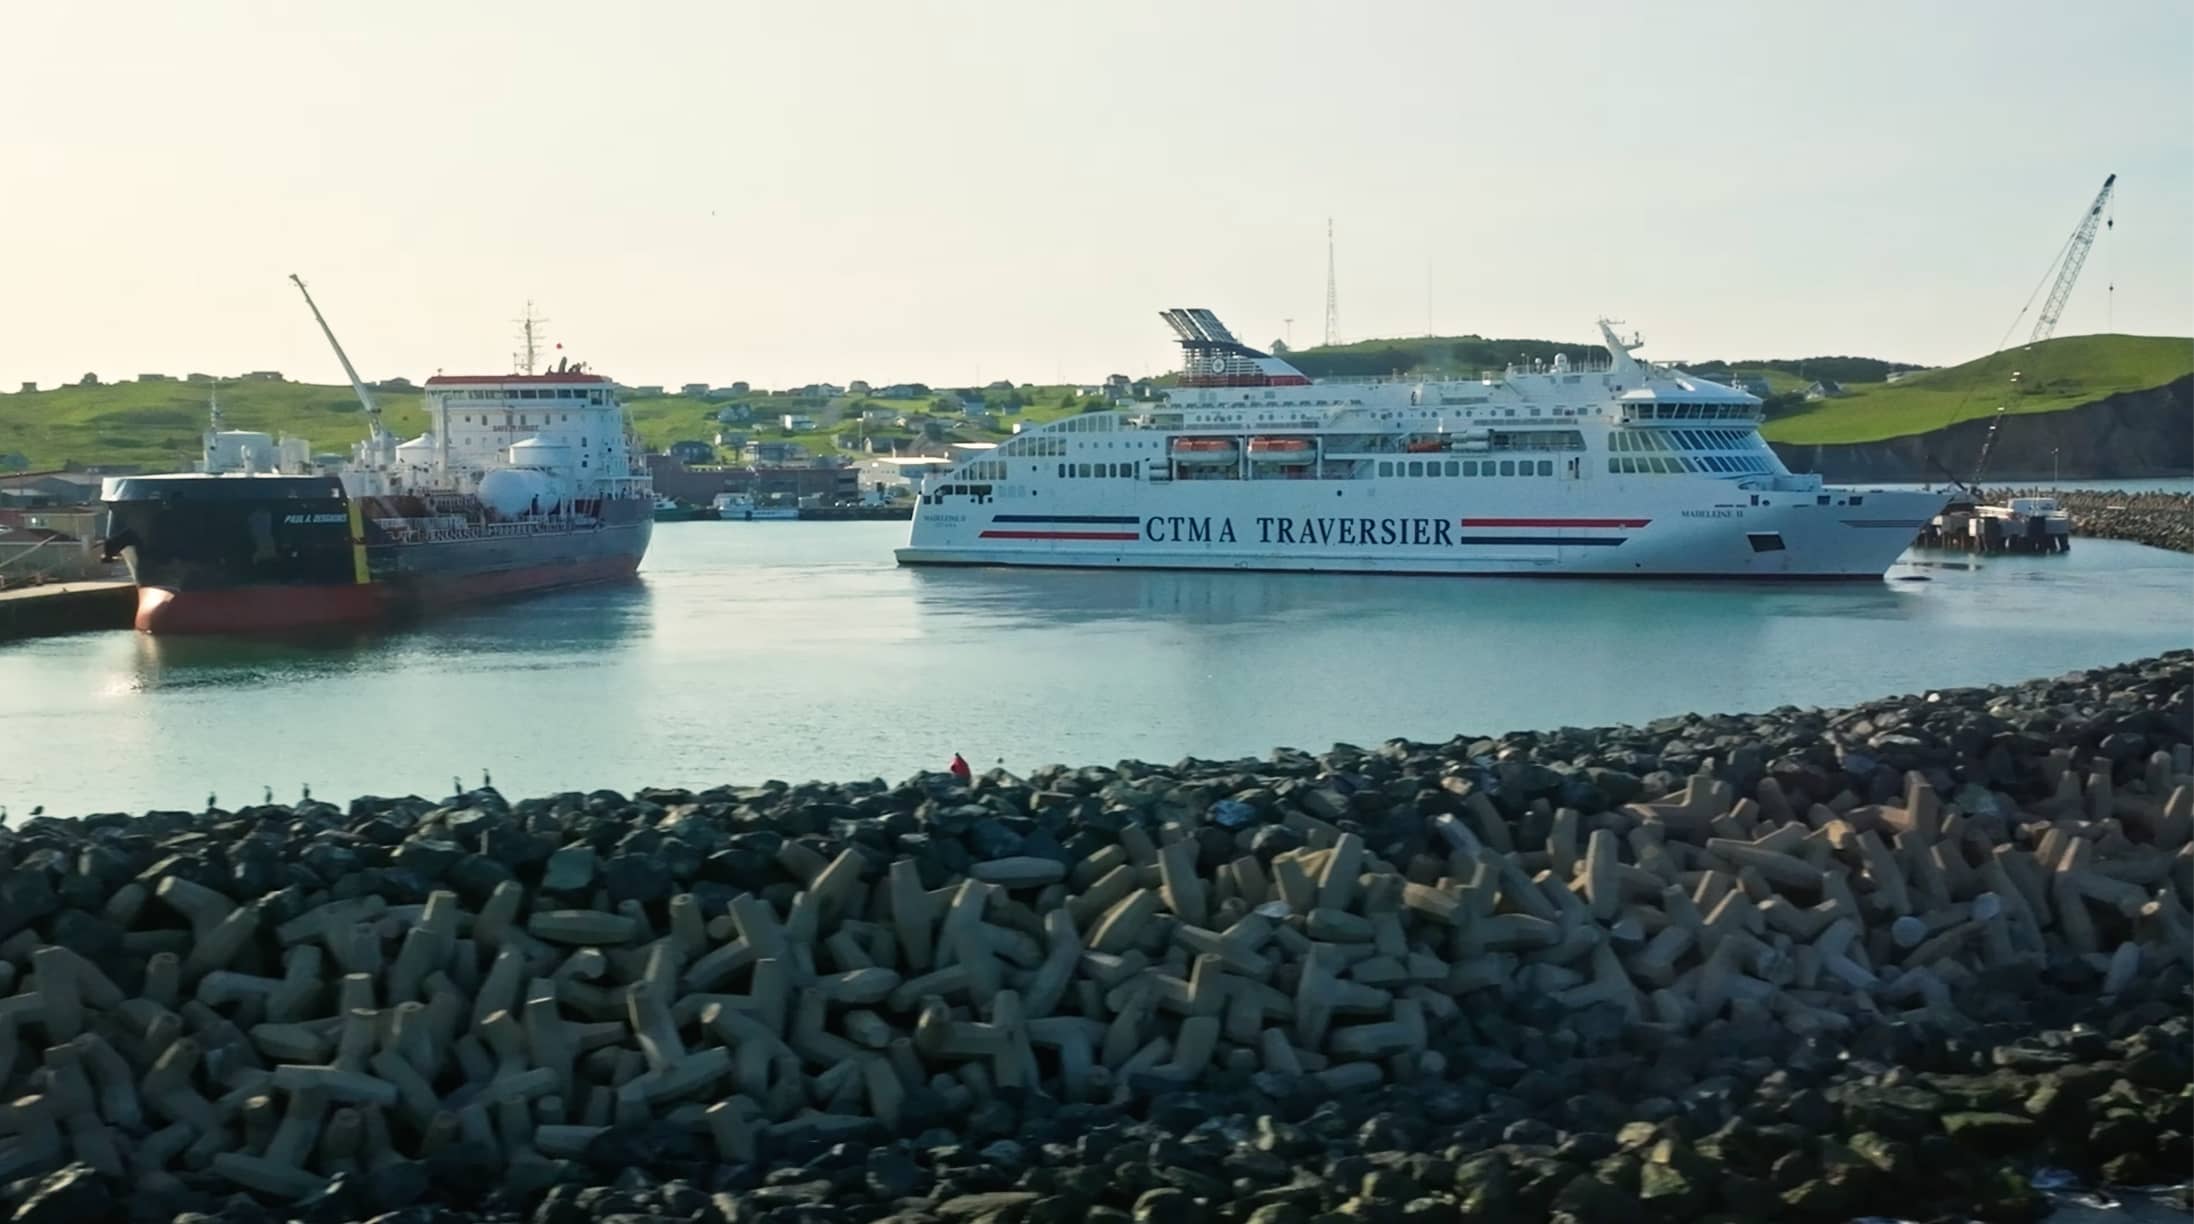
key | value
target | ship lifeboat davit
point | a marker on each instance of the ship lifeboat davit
(1205, 451)
(1283, 452)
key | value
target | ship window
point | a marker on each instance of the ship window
(1416, 468)
(1085, 471)
(1614, 464)
(1062, 469)
(1386, 467)
(1546, 467)
(1451, 467)
(1470, 466)
(1486, 468)
(1856, 501)
(1508, 467)
(1127, 471)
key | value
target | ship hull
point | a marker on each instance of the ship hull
(290, 607)
(1709, 532)
(272, 555)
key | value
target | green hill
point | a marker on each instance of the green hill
(1468, 356)
(2055, 374)
(157, 424)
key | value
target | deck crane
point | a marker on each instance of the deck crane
(2068, 264)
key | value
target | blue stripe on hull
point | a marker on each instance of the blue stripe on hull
(1064, 518)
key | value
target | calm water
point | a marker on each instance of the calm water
(797, 650)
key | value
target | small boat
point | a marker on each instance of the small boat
(1205, 451)
(742, 508)
(1420, 446)
(670, 510)
(1290, 452)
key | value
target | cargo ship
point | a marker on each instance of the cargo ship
(522, 482)
(1579, 465)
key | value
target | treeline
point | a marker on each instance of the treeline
(1835, 369)
(1446, 354)
(1470, 354)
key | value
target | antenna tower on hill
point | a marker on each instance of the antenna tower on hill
(529, 339)
(1333, 299)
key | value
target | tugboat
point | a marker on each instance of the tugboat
(523, 482)
(669, 510)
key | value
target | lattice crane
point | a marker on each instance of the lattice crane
(2075, 255)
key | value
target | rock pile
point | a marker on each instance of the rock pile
(2159, 520)
(1772, 965)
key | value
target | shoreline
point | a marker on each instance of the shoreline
(1799, 964)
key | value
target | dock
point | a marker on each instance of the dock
(66, 607)
(2018, 525)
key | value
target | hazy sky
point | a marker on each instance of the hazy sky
(785, 192)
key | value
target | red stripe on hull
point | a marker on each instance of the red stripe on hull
(1552, 522)
(265, 609)
(1061, 535)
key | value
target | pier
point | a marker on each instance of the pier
(66, 607)
(2157, 519)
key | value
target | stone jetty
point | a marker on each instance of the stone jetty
(1800, 965)
(2160, 520)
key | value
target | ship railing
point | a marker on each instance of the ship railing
(411, 531)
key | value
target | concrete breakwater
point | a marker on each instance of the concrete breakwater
(1801, 965)
(2160, 520)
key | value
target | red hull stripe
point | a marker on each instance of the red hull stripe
(263, 609)
(1061, 535)
(1552, 522)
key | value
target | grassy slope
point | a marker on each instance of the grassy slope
(2061, 373)
(158, 424)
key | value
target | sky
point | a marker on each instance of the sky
(711, 191)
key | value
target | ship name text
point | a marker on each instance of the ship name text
(1347, 531)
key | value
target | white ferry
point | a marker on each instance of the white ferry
(1612, 467)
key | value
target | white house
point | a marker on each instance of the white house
(796, 421)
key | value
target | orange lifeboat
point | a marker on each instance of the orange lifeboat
(1288, 452)
(1205, 450)
(1419, 446)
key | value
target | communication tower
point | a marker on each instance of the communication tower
(1333, 298)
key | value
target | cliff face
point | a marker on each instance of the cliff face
(2132, 434)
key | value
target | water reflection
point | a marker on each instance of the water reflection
(551, 629)
(1070, 597)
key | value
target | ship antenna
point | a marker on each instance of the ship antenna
(365, 397)
(528, 340)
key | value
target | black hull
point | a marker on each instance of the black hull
(273, 553)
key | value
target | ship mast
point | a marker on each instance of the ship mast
(528, 342)
(365, 397)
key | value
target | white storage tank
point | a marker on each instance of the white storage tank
(240, 450)
(540, 455)
(511, 492)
